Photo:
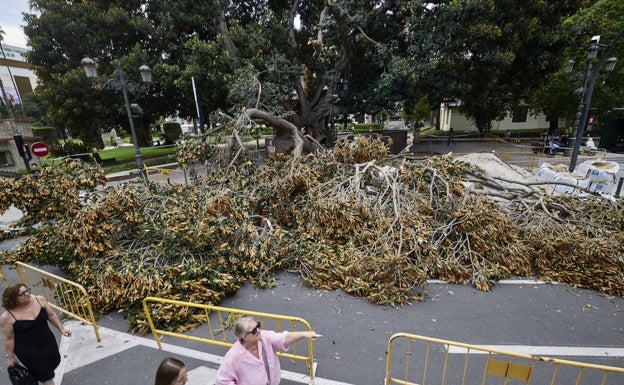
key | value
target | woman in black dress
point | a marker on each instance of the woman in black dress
(26, 333)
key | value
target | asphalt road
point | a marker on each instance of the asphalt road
(547, 319)
(519, 154)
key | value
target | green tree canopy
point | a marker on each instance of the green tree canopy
(489, 55)
(604, 18)
(293, 59)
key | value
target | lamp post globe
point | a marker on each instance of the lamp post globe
(89, 67)
(121, 82)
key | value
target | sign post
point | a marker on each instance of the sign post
(39, 149)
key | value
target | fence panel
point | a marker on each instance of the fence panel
(3, 278)
(414, 359)
(63, 295)
(220, 324)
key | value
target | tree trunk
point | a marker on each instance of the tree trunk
(300, 140)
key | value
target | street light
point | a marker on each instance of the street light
(120, 81)
(587, 92)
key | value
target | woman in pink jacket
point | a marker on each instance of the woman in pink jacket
(253, 360)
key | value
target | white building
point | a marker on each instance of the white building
(16, 74)
(515, 120)
(18, 80)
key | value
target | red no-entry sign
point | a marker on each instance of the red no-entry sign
(40, 149)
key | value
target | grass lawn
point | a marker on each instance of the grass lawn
(126, 153)
(124, 158)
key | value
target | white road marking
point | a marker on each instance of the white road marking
(524, 281)
(82, 349)
(569, 351)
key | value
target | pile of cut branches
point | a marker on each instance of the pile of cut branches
(352, 218)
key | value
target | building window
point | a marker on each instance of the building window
(519, 116)
(6, 159)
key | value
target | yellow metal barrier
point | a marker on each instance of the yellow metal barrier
(63, 295)
(536, 160)
(3, 278)
(155, 173)
(223, 320)
(428, 360)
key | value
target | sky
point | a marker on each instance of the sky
(11, 21)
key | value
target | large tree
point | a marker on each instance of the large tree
(489, 55)
(242, 54)
(299, 61)
(325, 57)
(61, 34)
(561, 92)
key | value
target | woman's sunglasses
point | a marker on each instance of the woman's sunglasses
(254, 331)
(24, 293)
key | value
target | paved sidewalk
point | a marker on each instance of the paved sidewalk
(84, 357)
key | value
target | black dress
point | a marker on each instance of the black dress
(35, 346)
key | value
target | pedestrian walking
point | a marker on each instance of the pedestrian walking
(96, 157)
(451, 138)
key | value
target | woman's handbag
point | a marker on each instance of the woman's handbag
(19, 375)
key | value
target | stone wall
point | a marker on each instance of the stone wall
(10, 160)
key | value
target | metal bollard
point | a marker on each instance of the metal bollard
(619, 187)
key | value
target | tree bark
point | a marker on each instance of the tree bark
(300, 141)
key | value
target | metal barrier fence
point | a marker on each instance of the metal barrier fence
(165, 174)
(224, 319)
(3, 278)
(62, 294)
(536, 160)
(434, 361)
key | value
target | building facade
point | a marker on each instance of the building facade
(513, 120)
(16, 74)
(18, 79)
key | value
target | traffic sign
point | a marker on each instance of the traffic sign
(40, 149)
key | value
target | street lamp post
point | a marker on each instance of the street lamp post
(584, 76)
(120, 81)
(583, 108)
